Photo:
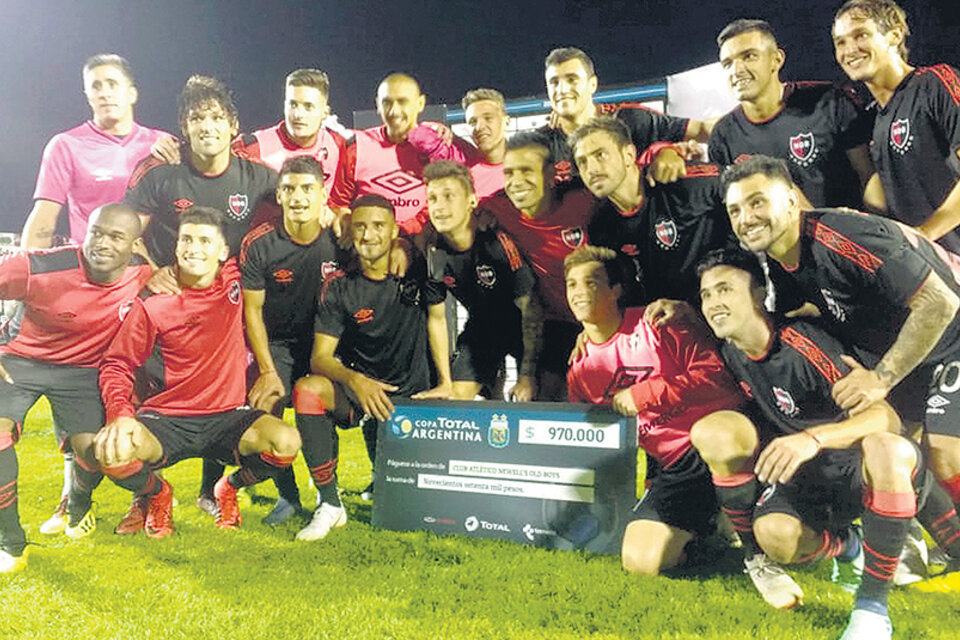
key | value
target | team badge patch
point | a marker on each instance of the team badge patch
(666, 233)
(327, 269)
(237, 205)
(803, 148)
(181, 205)
(572, 237)
(233, 293)
(785, 401)
(900, 137)
(486, 276)
(498, 433)
(283, 276)
(124, 309)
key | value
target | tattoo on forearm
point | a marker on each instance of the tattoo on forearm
(531, 327)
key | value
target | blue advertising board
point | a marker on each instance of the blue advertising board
(560, 476)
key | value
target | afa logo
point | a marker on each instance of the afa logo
(486, 276)
(785, 402)
(283, 276)
(498, 433)
(900, 138)
(666, 233)
(572, 237)
(803, 149)
(233, 293)
(401, 427)
(363, 316)
(124, 309)
(181, 205)
(237, 205)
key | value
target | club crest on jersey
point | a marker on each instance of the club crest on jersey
(666, 233)
(363, 316)
(124, 309)
(900, 137)
(785, 402)
(486, 276)
(283, 276)
(803, 148)
(328, 268)
(572, 237)
(237, 205)
(181, 205)
(233, 293)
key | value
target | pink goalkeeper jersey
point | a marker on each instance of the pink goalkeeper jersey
(86, 167)
(674, 376)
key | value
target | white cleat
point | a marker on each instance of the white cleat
(325, 518)
(773, 583)
(56, 523)
(11, 563)
(867, 625)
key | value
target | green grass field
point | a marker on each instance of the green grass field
(364, 583)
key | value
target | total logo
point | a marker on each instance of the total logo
(441, 428)
(473, 523)
(531, 532)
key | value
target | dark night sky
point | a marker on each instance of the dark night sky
(450, 46)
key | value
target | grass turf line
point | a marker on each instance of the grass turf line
(367, 584)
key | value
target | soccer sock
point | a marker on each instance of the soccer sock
(12, 535)
(738, 495)
(67, 472)
(286, 483)
(320, 443)
(86, 478)
(135, 477)
(833, 545)
(212, 472)
(939, 517)
(369, 427)
(886, 521)
(258, 467)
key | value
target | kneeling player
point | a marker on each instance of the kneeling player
(668, 378)
(822, 468)
(200, 411)
(370, 342)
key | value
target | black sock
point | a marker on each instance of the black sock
(12, 537)
(370, 426)
(212, 472)
(86, 477)
(320, 448)
(258, 467)
(286, 483)
(883, 539)
(737, 494)
(136, 477)
(938, 515)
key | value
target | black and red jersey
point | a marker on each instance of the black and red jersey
(382, 324)
(916, 145)
(164, 191)
(861, 270)
(67, 318)
(675, 225)
(818, 123)
(198, 334)
(290, 275)
(646, 127)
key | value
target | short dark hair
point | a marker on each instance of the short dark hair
(110, 59)
(448, 169)
(745, 25)
(738, 259)
(302, 164)
(197, 214)
(608, 124)
(534, 139)
(373, 200)
(886, 14)
(309, 78)
(563, 54)
(589, 253)
(200, 91)
(773, 168)
(476, 95)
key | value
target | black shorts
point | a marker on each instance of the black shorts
(559, 338)
(942, 411)
(682, 496)
(911, 396)
(73, 392)
(213, 436)
(481, 349)
(292, 362)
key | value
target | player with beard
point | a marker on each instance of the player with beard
(819, 128)
(916, 134)
(373, 335)
(200, 411)
(486, 273)
(74, 302)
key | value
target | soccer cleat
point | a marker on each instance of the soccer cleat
(325, 518)
(56, 523)
(135, 517)
(82, 527)
(10, 563)
(367, 494)
(228, 513)
(847, 575)
(282, 511)
(159, 520)
(913, 559)
(947, 581)
(773, 583)
(867, 625)
(207, 503)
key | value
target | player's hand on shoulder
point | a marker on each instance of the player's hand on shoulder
(266, 391)
(372, 395)
(623, 403)
(664, 311)
(443, 391)
(524, 391)
(117, 441)
(164, 280)
(807, 310)
(859, 389)
(668, 166)
(780, 459)
(166, 149)
(484, 220)
(399, 258)
(579, 348)
(443, 131)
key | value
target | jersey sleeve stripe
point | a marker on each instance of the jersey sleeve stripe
(142, 169)
(948, 76)
(703, 171)
(809, 350)
(513, 254)
(252, 237)
(843, 246)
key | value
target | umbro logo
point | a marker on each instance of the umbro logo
(397, 181)
(937, 401)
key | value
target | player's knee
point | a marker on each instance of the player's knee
(723, 436)
(286, 441)
(82, 446)
(887, 456)
(778, 535)
(313, 395)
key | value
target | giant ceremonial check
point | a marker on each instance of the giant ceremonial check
(561, 476)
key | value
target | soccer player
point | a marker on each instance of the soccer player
(370, 343)
(200, 411)
(571, 83)
(820, 129)
(90, 165)
(283, 266)
(916, 134)
(212, 176)
(485, 112)
(486, 273)
(662, 229)
(889, 295)
(74, 301)
(821, 466)
(668, 378)
(547, 221)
